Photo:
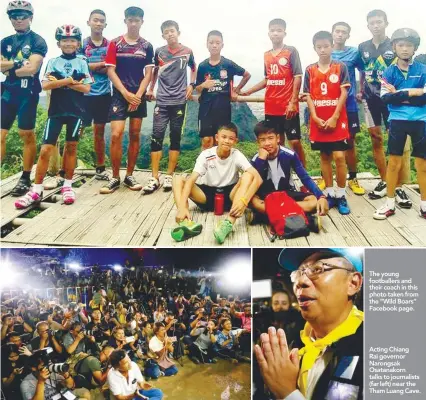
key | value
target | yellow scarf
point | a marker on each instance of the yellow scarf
(313, 349)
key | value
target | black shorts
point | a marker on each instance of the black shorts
(54, 126)
(398, 131)
(21, 104)
(162, 116)
(210, 122)
(291, 127)
(354, 125)
(329, 147)
(119, 105)
(96, 109)
(376, 112)
(210, 193)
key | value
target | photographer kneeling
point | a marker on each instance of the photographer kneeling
(126, 382)
(44, 383)
(226, 345)
(201, 349)
(92, 372)
(45, 338)
(160, 344)
(76, 341)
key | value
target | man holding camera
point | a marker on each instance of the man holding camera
(43, 384)
(76, 341)
(93, 372)
(45, 338)
(99, 328)
(11, 323)
(198, 316)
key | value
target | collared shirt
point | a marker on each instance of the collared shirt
(120, 386)
(314, 375)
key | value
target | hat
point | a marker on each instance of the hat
(291, 258)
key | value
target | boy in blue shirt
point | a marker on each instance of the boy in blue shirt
(68, 77)
(403, 89)
(351, 58)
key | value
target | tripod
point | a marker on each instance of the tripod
(178, 352)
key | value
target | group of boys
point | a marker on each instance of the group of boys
(80, 82)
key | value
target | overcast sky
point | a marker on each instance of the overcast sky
(244, 23)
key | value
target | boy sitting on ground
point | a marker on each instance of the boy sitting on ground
(275, 164)
(216, 169)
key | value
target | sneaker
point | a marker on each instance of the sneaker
(132, 183)
(223, 229)
(314, 221)
(68, 195)
(111, 186)
(342, 205)
(31, 198)
(378, 192)
(422, 213)
(22, 187)
(167, 183)
(151, 186)
(356, 187)
(185, 230)
(402, 199)
(321, 184)
(331, 202)
(383, 212)
(54, 183)
(102, 175)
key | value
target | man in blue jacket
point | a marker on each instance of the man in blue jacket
(275, 164)
(404, 91)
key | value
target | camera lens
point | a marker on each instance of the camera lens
(58, 368)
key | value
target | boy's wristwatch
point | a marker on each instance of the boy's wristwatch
(193, 84)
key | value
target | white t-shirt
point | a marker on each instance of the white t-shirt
(119, 385)
(156, 344)
(216, 172)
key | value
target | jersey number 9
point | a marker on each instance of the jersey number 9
(324, 89)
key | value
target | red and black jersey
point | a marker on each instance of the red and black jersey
(280, 71)
(130, 60)
(324, 89)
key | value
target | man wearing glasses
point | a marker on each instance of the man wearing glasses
(21, 59)
(329, 364)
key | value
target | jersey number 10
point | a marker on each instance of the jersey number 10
(274, 69)
(24, 83)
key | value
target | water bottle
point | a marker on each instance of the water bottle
(219, 202)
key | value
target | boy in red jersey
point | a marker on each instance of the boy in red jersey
(283, 79)
(326, 86)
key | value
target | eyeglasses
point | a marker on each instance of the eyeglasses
(314, 271)
(20, 17)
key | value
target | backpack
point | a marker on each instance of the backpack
(286, 217)
(81, 380)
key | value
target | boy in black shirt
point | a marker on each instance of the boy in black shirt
(21, 59)
(215, 79)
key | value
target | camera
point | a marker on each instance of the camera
(44, 356)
